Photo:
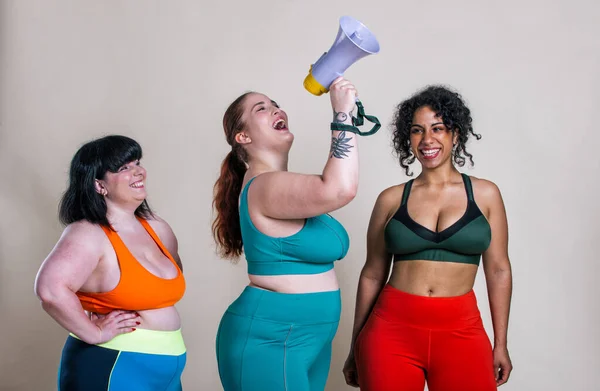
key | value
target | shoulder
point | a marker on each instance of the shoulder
(85, 232)
(162, 229)
(389, 199)
(81, 240)
(484, 188)
(392, 194)
(487, 195)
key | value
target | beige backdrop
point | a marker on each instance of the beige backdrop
(163, 72)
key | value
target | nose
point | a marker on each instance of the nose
(139, 171)
(427, 136)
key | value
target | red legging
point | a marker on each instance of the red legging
(409, 339)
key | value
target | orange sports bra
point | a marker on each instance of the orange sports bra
(138, 289)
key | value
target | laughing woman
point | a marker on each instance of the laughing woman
(277, 335)
(113, 278)
(424, 324)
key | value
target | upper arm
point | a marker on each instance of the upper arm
(72, 260)
(167, 237)
(378, 263)
(287, 195)
(496, 255)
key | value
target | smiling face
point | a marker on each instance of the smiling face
(265, 126)
(431, 141)
(124, 187)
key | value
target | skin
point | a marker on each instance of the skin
(280, 201)
(437, 200)
(84, 260)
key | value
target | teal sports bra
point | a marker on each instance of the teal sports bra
(462, 242)
(311, 250)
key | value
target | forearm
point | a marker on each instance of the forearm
(367, 293)
(499, 285)
(341, 169)
(65, 308)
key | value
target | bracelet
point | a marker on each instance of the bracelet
(359, 120)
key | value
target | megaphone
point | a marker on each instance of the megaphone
(353, 42)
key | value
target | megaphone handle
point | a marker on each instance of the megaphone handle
(359, 120)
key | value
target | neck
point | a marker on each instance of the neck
(268, 164)
(121, 216)
(440, 175)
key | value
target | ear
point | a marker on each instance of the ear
(243, 138)
(455, 137)
(100, 188)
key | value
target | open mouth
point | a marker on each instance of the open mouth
(137, 185)
(280, 125)
(430, 153)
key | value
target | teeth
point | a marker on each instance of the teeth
(279, 124)
(137, 184)
(430, 152)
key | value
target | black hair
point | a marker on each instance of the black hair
(92, 161)
(449, 106)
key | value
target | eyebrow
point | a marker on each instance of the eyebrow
(422, 127)
(262, 103)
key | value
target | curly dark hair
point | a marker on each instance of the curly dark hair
(449, 106)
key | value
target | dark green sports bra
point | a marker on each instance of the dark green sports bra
(462, 242)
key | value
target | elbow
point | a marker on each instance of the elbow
(45, 293)
(347, 193)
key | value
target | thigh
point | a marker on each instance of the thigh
(461, 360)
(146, 372)
(251, 353)
(319, 370)
(85, 367)
(390, 357)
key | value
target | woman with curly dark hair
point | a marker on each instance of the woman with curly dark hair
(424, 324)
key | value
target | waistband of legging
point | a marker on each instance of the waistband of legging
(168, 343)
(427, 312)
(296, 308)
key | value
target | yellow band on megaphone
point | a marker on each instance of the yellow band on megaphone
(313, 86)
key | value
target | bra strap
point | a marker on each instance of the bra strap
(468, 187)
(406, 192)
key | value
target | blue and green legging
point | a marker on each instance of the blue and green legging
(277, 341)
(143, 360)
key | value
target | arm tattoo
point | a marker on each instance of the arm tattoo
(340, 145)
(341, 117)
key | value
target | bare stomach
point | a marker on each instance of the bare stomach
(163, 319)
(434, 279)
(297, 283)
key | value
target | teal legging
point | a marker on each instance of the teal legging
(277, 341)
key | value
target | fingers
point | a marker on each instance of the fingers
(350, 377)
(504, 373)
(128, 319)
(125, 330)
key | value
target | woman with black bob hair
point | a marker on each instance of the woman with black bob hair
(423, 324)
(114, 276)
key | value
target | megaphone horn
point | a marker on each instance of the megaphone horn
(353, 42)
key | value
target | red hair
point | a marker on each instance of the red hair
(226, 226)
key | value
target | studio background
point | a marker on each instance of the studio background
(163, 72)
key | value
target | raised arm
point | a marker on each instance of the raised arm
(285, 195)
(64, 271)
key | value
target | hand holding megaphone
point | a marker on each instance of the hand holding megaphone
(343, 99)
(353, 42)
